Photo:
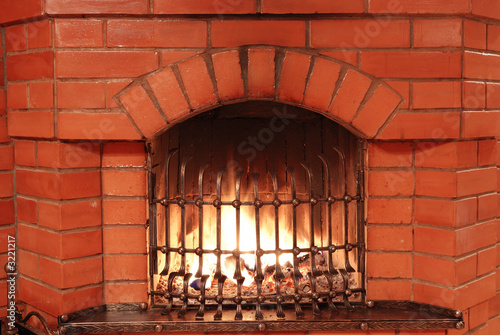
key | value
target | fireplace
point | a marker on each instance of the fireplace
(233, 220)
(382, 115)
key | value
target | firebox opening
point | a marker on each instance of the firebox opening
(256, 205)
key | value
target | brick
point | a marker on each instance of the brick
(361, 33)
(57, 303)
(17, 96)
(143, 111)
(491, 95)
(72, 215)
(152, 33)
(474, 34)
(69, 155)
(389, 265)
(434, 240)
(413, 7)
(444, 212)
(169, 57)
(61, 246)
(390, 211)
(235, 33)
(412, 64)
(481, 66)
(197, 7)
(437, 33)
(349, 96)
(124, 182)
(15, 38)
(8, 214)
(13, 11)
(120, 154)
(228, 75)
(27, 210)
(487, 152)
(428, 125)
(294, 73)
(7, 182)
(58, 186)
(198, 83)
(2, 78)
(124, 240)
(474, 95)
(69, 274)
(78, 33)
(389, 289)
(311, 6)
(435, 295)
(112, 89)
(261, 69)
(39, 34)
(493, 41)
(441, 94)
(487, 206)
(476, 181)
(446, 154)
(476, 237)
(3, 99)
(41, 95)
(96, 126)
(31, 124)
(3, 131)
(93, 7)
(321, 84)
(436, 270)
(403, 89)
(389, 154)
(125, 292)
(376, 110)
(79, 95)
(124, 211)
(466, 269)
(102, 64)
(486, 261)
(124, 267)
(488, 8)
(169, 94)
(390, 183)
(387, 238)
(436, 184)
(480, 124)
(28, 263)
(350, 57)
(6, 157)
(494, 306)
(477, 292)
(35, 65)
(4, 233)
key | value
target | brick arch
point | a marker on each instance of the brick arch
(359, 102)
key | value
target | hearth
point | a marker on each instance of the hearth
(235, 226)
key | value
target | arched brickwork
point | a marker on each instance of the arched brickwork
(160, 99)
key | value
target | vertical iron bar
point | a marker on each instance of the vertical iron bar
(218, 203)
(219, 299)
(259, 277)
(347, 198)
(346, 290)
(199, 203)
(182, 202)
(153, 252)
(165, 270)
(329, 202)
(296, 250)
(278, 277)
(184, 295)
(237, 253)
(332, 294)
(361, 216)
(201, 297)
(312, 244)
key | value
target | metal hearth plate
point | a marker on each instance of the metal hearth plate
(118, 318)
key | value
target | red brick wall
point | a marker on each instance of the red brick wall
(78, 129)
